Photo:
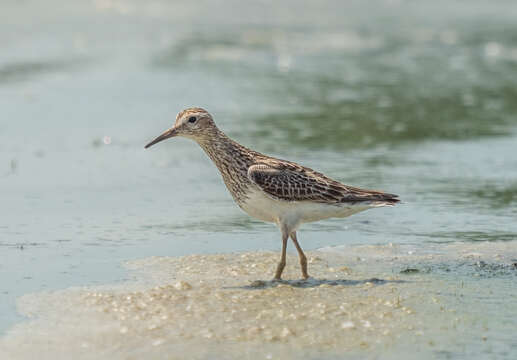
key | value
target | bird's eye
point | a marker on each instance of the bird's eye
(192, 119)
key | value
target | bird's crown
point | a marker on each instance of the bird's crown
(194, 111)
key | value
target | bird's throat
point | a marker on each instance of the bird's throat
(232, 160)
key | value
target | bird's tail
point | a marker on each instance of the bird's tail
(386, 200)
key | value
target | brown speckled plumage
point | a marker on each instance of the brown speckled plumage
(281, 179)
(261, 184)
(233, 161)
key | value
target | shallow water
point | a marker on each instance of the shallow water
(413, 98)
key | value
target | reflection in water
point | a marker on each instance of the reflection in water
(358, 124)
(404, 88)
(497, 196)
(491, 196)
(21, 71)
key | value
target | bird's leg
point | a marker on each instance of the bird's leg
(281, 264)
(303, 258)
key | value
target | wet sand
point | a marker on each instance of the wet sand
(387, 301)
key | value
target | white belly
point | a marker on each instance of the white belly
(294, 213)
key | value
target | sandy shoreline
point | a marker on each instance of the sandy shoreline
(362, 301)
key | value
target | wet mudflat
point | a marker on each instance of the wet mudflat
(368, 301)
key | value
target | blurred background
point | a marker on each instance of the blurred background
(417, 98)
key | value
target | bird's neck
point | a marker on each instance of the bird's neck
(222, 149)
(232, 160)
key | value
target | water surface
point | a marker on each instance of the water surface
(413, 98)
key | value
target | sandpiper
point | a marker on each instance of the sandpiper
(270, 189)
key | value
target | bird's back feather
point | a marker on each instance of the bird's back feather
(292, 182)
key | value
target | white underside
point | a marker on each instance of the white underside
(291, 214)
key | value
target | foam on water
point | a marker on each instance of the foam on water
(379, 299)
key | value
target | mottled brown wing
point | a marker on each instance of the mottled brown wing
(292, 182)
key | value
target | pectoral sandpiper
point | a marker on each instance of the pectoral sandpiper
(271, 189)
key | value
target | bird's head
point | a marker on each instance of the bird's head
(194, 123)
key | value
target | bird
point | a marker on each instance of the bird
(270, 189)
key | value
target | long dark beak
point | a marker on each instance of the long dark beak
(167, 134)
